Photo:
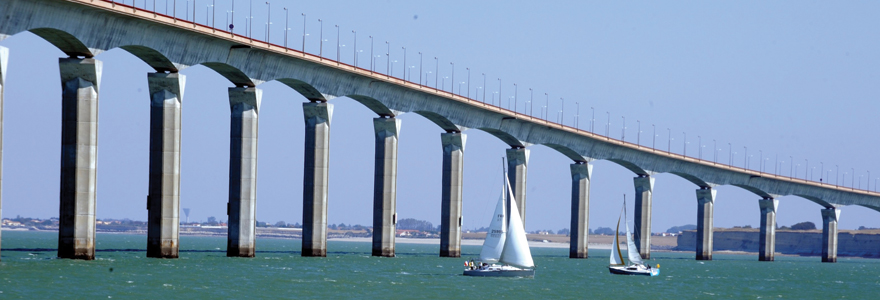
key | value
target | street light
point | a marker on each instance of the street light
(684, 144)
(623, 130)
(388, 60)
(532, 104)
(304, 36)
(468, 84)
(268, 22)
(337, 44)
(436, 72)
(484, 88)
(654, 137)
(608, 125)
(592, 119)
(714, 152)
(515, 102)
(669, 142)
(420, 69)
(730, 154)
(699, 147)
(639, 133)
(451, 87)
(286, 26)
(321, 42)
(404, 63)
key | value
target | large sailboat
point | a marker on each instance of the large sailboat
(505, 251)
(636, 265)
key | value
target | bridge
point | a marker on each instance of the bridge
(84, 28)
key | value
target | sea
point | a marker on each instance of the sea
(29, 269)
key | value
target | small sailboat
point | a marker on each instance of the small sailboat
(636, 265)
(505, 251)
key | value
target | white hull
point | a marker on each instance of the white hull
(500, 271)
(634, 270)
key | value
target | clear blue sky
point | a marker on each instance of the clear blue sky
(788, 78)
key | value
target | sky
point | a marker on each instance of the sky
(794, 81)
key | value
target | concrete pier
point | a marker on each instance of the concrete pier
(80, 83)
(163, 198)
(517, 167)
(705, 222)
(4, 58)
(642, 214)
(242, 207)
(767, 237)
(450, 195)
(580, 209)
(316, 168)
(829, 234)
(385, 186)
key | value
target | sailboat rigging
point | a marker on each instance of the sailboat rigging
(505, 251)
(636, 266)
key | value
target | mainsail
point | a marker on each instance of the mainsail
(516, 250)
(616, 256)
(497, 234)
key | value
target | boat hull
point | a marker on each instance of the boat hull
(621, 270)
(500, 273)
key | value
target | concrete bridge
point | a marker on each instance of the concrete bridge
(85, 28)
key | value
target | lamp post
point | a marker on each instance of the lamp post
(577, 117)
(791, 166)
(321, 41)
(420, 69)
(822, 171)
(714, 152)
(436, 72)
(669, 142)
(268, 22)
(654, 137)
(837, 175)
(452, 87)
(623, 130)
(468, 83)
(852, 183)
(761, 161)
(532, 104)
(484, 88)
(404, 63)
(388, 60)
(372, 57)
(639, 133)
(684, 144)
(730, 154)
(807, 168)
(337, 45)
(608, 125)
(286, 27)
(699, 147)
(592, 119)
(304, 35)
(515, 102)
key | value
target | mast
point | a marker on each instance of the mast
(506, 197)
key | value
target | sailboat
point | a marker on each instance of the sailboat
(636, 265)
(505, 251)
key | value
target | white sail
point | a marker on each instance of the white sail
(516, 249)
(496, 235)
(634, 257)
(616, 256)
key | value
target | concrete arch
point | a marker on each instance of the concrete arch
(754, 190)
(64, 41)
(877, 208)
(817, 200)
(693, 179)
(441, 121)
(231, 73)
(156, 60)
(568, 152)
(375, 105)
(304, 89)
(504, 137)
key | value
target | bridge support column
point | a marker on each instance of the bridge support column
(385, 186)
(705, 222)
(642, 220)
(580, 209)
(4, 58)
(767, 238)
(242, 207)
(163, 199)
(517, 165)
(315, 177)
(80, 83)
(829, 234)
(450, 210)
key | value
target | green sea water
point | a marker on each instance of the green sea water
(29, 269)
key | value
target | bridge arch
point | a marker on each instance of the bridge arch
(153, 58)
(233, 74)
(693, 179)
(568, 152)
(64, 41)
(504, 137)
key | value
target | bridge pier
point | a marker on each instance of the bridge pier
(450, 196)
(767, 237)
(517, 167)
(644, 185)
(385, 186)
(829, 234)
(4, 58)
(705, 222)
(315, 177)
(244, 102)
(580, 209)
(80, 83)
(163, 199)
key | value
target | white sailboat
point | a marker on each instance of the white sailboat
(505, 251)
(636, 265)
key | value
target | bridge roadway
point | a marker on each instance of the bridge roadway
(85, 28)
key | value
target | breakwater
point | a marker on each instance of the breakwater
(855, 243)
